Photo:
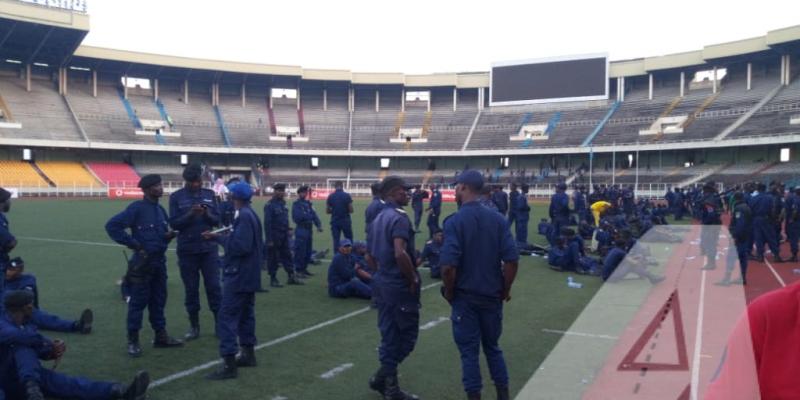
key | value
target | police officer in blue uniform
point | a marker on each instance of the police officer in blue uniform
(679, 204)
(628, 201)
(763, 205)
(710, 218)
(417, 198)
(340, 205)
(500, 198)
(147, 269)
(512, 203)
(16, 279)
(479, 264)
(7, 240)
(579, 203)
(276, 237)
(430, 254)
(23, 376)
(522, 215)
(793, 222)
(434, 210)
(244, 249)
(226, 209)
(305, 218)
(398, 284)
(343, 279)
(193, 210)
(559, 209)
(741, 229)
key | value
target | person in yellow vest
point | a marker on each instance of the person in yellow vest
(598, 208)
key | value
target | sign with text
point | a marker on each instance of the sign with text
(124, 193)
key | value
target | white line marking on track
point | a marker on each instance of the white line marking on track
(336, 371)
(210, 364)
(698, 338)
(777, 276)
(581, 334)
(431, 324)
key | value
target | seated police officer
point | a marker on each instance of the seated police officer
(17, 280)
(430, 254)
(343, 278)
(618, 264)
(479, 264)
(22, 374)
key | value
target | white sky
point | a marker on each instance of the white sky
(425, 36)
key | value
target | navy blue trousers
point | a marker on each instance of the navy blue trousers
(417, 217)
(279, 254)
(236, 322)
(337, 230)
(303, 239)
(194, 265)
(151, 293)
(49, 322)
(521, 230)
(433, 223)
(398, 323)
(793, 236)
(53, 384)
(479, 323)
(354, 288)
(765, 234)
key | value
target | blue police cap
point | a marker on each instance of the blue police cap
(345, 243)
(242, 191)
(16, 263)
(149, 180)
(471, 178)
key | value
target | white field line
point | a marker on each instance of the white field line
(581, 334)
(336, 371)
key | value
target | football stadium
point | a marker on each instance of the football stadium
(558, 227)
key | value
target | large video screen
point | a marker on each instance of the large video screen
(569, 78)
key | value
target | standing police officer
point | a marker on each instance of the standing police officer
(340, 206)
(147, 269)
(763, 205)
(710, 218)
(244, 248)
(479, 263)
(793, 222)
(193, 210)
(512, 200)
(522, 214)
(276, 236)
(579, 203)
(559, 210)
(7, 240)
(304, 217)
(741, 229)
(434, 210)
(416, 204)
(500, 198)
(392, 247)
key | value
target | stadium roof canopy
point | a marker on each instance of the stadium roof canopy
(31, 33)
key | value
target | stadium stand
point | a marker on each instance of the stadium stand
(68, 174)
(114, 174)
(20, 174)
(42, 112)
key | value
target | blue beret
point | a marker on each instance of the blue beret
(242, 191)
(471, 178)
(345, 243)
(149, 180)
(17, 299)
(192, 173)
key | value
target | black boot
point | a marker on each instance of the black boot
(226, 371)
(163, 340)
(33, 391)
(135, 391)
(194, 328)
(502, 392)
(134, 349)
(274, 282)
(393, 392)
(377, 382)
(246, 357)
(293, 280)
(84, 323)
(474, 396)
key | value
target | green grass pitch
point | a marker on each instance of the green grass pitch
(73, 276)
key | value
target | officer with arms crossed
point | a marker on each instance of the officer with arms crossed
(479, 263)
(304, 217)
(147, 270)
(391, 246)
(193, 210)
(244, 249)
(340, 206)
(276, 237)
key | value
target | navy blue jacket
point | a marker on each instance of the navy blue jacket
(147, 222)
(436, 202)
(431, 252)
(792, 208)
(500, 199)
(476, 243)
(276, 222)
(520, 207)
(416, 199)
(763, 205)
(710, 213)
(6, 239)
(244, 248)
(24, 282)
(226, 213)
(392, 223)
(741, 225)
(579, 201)
(304, 216)
(340, 271)
(512, 203)
(339, 203)
(26, 335)
(189, 226)
(559, 207)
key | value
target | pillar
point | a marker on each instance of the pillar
(28, 77)
(788, 69)
(298, 96)
(125, 87)
(65, 80)
(650, 87)
(430, 94)
(324, 99)
(377, 100)
(269, 96)
(351, 99)
(455, 99)
(403, 100)
(155, 89)
(185, 91)
(244, 95)
(683, 82)
(714, 81)
(94, 83)
(622, 89)
(749, 76)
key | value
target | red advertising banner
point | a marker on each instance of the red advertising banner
(124, 193)
(320, 194)
(448, 195)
